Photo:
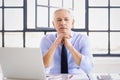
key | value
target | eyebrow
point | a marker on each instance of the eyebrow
(64, 17)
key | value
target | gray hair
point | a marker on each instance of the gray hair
(64, 9)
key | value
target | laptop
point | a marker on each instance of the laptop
(22, 63)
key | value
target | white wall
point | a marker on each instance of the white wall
(106, 64)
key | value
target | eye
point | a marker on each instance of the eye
(59, 20)
(66, 19)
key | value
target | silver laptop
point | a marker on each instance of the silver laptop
(22, 63)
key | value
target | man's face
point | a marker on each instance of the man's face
(63, 22)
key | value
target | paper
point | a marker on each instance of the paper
(1, 74)
(115, 76)
(77, 77)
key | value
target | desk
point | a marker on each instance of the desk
(93, 76)
(68, 77)
(63, 77)
(105, 76)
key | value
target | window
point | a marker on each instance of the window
(11, 23)
(24, 22)
(104, 26)
(42, 12)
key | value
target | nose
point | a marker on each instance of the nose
(62, 22)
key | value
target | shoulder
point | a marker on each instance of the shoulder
(81, 39)
(80, 35)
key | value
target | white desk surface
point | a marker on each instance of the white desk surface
(68, 77)
(105, 76)
(94, 76)
(63, 77)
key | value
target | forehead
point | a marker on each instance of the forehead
(62, 14)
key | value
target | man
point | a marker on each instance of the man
(79, 58)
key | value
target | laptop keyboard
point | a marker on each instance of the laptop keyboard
(104, 77)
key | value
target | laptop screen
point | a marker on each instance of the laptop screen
(22, 63)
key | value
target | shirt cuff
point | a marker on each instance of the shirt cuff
(47, 70)
(86, 64)
(83, 63)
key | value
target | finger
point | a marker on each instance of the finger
(67, 36)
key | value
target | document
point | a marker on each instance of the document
(106, 76)
(1, 74)
(67, 77)
(77, 77)
(115, 76)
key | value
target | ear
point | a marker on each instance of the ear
(73, 23)
(53, 24)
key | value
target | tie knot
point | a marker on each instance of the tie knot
(63, 46)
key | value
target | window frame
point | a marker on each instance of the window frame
(45, 30)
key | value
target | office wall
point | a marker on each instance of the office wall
(106, 64)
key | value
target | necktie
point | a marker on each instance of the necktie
(64, 63)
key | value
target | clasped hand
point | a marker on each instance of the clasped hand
(64, 39)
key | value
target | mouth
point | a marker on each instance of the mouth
(63, 28)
